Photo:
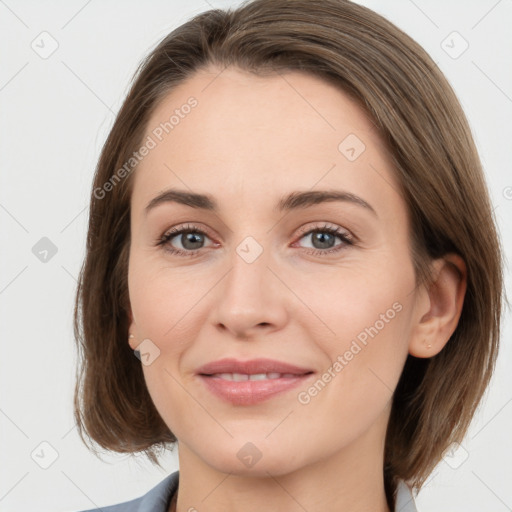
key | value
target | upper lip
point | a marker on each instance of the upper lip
(250, 367)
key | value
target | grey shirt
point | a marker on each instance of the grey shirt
(159, 498)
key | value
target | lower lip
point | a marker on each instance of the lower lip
(251, 392)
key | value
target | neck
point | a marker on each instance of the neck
(349, 480)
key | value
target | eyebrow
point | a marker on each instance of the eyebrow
(293, 201)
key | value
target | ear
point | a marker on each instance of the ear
(439, 307)
(132, 331)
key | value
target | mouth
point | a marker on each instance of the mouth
(241, 377)
(251, 382)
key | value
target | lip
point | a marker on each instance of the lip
(250, 367)
(251, 392)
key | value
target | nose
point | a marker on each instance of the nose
(251, 300)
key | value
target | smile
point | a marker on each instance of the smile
(244, 389)
(240, 377)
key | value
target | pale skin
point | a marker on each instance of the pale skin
(249, 142)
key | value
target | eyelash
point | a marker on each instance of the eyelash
(346, 238)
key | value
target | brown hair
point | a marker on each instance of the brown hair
(436, 163)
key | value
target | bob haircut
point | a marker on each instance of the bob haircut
(436, 163)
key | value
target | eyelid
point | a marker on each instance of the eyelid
(179, 229)
(328, 226)
(306, 229)
(188, 226)
(346, 236)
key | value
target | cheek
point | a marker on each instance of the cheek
(365, 361)
(365, 327)
(161, 299)
(347, 302)
(161, 303)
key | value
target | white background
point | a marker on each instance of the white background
(55, 115)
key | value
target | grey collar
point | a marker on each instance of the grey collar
(404, 498)
(158, 498)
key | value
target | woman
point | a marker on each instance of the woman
(290, 228)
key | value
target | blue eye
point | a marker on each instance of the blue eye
(325, 243)
(189, 236)
(192, 239)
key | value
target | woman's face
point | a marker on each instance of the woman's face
(269, 269)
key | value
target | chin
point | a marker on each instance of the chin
(242, 457)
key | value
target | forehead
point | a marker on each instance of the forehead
(250, 134)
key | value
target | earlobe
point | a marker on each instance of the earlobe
(132, 340)
(440, 307)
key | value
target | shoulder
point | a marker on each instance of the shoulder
(404, 498)
(156, 499)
